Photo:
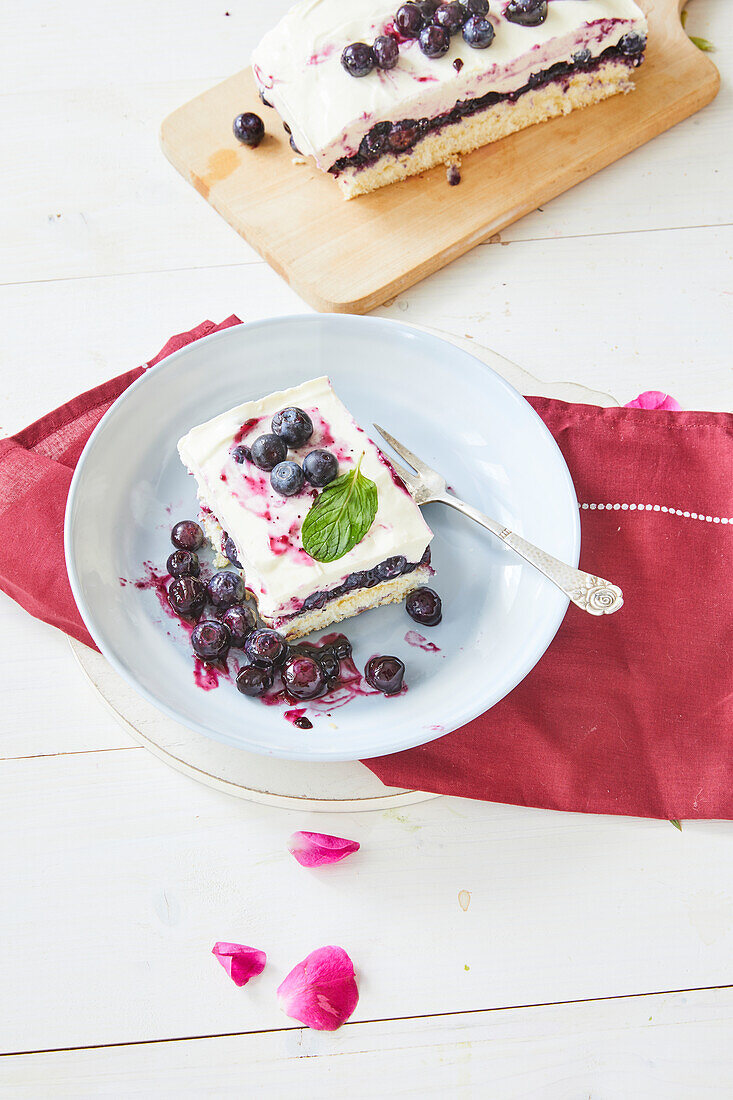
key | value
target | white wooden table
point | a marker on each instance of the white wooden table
(595, 957)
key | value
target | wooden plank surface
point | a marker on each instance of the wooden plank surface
(125, 873)
(293, 215)
(665, 1047)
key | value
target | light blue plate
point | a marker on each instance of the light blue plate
(499, 614)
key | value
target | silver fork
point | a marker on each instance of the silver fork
(588, 592)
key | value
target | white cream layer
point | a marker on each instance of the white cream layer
(266, 527)
(298, 68)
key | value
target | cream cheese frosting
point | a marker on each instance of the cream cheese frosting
(298, 68)
(266, 527)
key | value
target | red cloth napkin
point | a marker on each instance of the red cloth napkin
(630, 713)
(36, 467)
(627, 714)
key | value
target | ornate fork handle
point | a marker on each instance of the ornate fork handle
(588, 592)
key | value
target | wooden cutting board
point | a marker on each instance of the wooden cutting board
(349, 257)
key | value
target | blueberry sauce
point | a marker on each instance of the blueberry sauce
(413, 638)
(296, 715)
(207, 675)
(321, 55)
(370, 152)
(289, 543)
(156, 582)
(393, 473)
(247, 427)
(389, 569)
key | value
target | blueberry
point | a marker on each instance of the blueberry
(329, 662)
(294, 147)
(426, 557)
(527, 13)
(241, 622)
(374, 143)
(231, 552)
(265, 647)
(391, 568)
(631, 43)
(241, 454)
(268, 450)
(341, 647)
(225, 589)
(320, 467)
(371, 577)
(478, 32)
(451, 16)
(385, 674)
(303, 677)
(434, 41)
(409, 20)
(187, 597)
(354, 580)
(263, 101)
(403, 135)
(454, 176)
(427, 8)
(358, 59)
(287, 479)
(294, 425)
(183, 563)
(425, 607)
(386, 52)
(249, 129)
(315, 600)
(210, 640)
(582, 57)
(253, 681)
(187, 535)
(476, 7)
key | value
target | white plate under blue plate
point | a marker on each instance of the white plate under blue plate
(499, 614)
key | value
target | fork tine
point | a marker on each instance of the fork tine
(407, 476)
(403, 452)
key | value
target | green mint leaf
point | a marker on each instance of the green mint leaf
(702, 44)
(340, 517)
(675, 822)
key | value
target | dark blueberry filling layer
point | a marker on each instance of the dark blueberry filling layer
(398, 137)
(385, 571)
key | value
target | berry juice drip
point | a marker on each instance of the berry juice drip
(208, 676)
(413, 638)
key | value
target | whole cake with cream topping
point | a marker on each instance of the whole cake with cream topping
(371, 114)
(250, 520)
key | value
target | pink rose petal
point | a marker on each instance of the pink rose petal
(315, 849)
(321, 990)
(241, 963)
(654, 399)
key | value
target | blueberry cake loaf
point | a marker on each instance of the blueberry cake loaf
(294, 493)
(376, 92)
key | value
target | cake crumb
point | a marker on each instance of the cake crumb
(298, 160)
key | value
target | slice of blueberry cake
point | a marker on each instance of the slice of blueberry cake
(294, 493)
(376, 92)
